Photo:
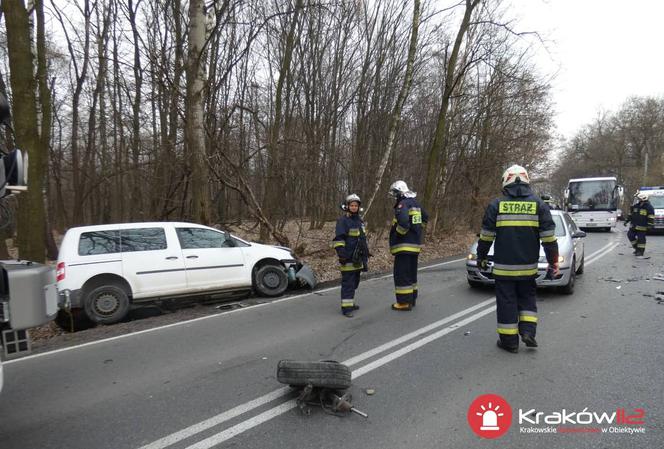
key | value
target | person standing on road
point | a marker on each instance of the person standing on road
(641, 217)
(515, 224)
(350, 243)
(406, 244)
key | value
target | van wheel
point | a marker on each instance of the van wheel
(106, 304)
(270, 280)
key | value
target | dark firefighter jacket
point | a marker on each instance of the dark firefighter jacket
(350, 242)
(515, 224)
(406, 231)
(642, 216)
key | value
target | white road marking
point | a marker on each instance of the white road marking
(288, 405)
(193, 320)
(243, 408)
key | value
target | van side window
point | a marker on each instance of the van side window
(142, 239)
(99, 242)
(195, 238)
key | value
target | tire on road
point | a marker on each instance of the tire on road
(270, 280)
(475, 284)
(327, 374)
(106, 304)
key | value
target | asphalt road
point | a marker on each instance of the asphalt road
(212, 382)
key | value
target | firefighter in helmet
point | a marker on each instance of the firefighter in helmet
(642, 218)
(405, 244)
(515, 224)
(350, 243)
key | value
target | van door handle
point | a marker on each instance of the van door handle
(171, 258)
(192, 257)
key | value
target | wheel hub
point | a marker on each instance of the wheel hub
(106, 304)
(271, 280)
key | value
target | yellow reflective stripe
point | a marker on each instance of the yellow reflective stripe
(505, 331)
(394, 221)
(548, 239)
(347, 302)
(641, 228)
(516, 223)
(401, 230)
(641, 245)
(350, 267)
(500, 272)
(403, 291)
(517, 207)
(487, 238)
(338, 244)
(528, 318)
(401, 249)
(354, 233)
(651, 216)
(643, 212)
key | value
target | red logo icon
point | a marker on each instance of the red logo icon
(490, 416)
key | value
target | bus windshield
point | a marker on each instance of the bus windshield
(657, 201)
(593, 195)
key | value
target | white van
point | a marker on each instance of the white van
(102, 269)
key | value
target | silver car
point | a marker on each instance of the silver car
(570, 258)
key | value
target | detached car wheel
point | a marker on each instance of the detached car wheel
(326, 374)
(106, 304)
(271, 280)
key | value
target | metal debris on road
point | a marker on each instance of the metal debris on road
(370, 391)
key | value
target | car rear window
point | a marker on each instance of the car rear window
(99, 242)
(142, 239)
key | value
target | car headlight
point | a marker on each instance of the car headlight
(472, 256)
(612, 218)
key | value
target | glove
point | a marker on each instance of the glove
(483, 264)
(552, 272)
(343, 260)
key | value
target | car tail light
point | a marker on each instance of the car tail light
(60, 272)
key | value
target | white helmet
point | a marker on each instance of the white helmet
(353, 198)
(515, 173)
(398, 188)
(642, 196)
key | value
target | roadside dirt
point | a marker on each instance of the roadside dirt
(313, 247)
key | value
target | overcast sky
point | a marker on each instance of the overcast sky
(605, 50)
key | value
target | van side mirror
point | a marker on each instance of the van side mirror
(578, 234)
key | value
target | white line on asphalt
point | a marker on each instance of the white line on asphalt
(283, 408)
(243, 408)
(193, 320)
(288, 405)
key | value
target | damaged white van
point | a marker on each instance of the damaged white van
(102, 269)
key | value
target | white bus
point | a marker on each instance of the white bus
(593, 202)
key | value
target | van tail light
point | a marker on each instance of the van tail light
(60, 272)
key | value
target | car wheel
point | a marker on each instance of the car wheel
(569, 288)
(106, 304)
(475, 284)
(579, 269)
(326, 374)
(271, 280)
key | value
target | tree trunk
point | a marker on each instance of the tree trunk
(451, 78)
(30, 229)
(195, 125)
(395, 116)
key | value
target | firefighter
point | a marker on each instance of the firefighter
(350, 243)
(516, 223)
(406, 244)
(641, 217)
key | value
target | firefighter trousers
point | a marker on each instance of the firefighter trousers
(350, 280)
(516, 307)
(405, 277)
(637, 239)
